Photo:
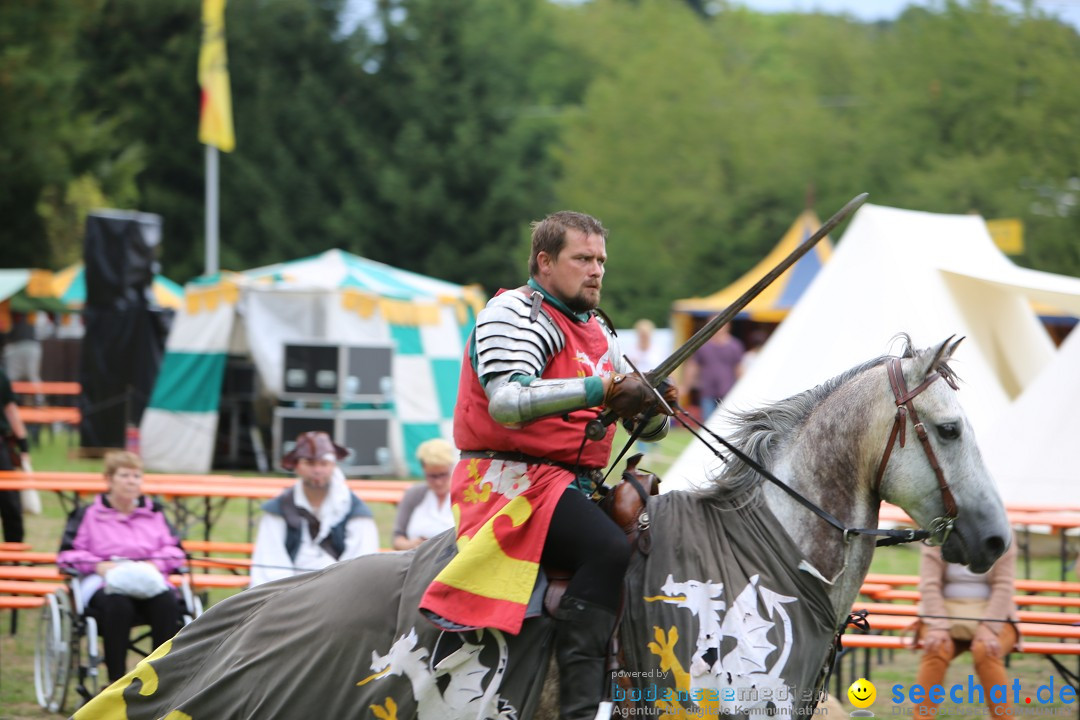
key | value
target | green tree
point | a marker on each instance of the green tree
(294, 184)
(973, 102)
(50, 164)
(697, 142)
(457, 105)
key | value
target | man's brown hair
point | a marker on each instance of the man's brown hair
(549, 234)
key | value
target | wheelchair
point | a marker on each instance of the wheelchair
(68, 647)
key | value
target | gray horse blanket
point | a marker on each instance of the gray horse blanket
(719, 619)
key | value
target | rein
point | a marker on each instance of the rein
(939, 528)
(889, 537)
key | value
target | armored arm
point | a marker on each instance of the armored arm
(512, 349)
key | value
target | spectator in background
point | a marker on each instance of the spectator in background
(22, 354)
(754, 340)
(119, 533)
(643, 352)
(425, 511)
(316, 522)
(712, 370)
(949, 589)
(13, 443)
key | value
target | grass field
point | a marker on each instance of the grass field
(43, 532)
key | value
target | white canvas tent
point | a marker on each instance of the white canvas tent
(1031, 449)
(926, 274)
(333, 297)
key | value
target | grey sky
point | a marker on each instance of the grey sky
(867, 10)
(1068, 10)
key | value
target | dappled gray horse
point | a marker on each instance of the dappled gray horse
(733, 608)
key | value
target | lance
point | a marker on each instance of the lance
(597, 428)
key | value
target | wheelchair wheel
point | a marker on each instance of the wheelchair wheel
(52, 654)
(86, 659)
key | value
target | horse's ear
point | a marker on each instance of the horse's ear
(952, 348)
(937, 355)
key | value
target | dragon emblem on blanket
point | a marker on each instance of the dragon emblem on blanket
(739, 653)
(452, 687)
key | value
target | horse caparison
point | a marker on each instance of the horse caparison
(733, 609)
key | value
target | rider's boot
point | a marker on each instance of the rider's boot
(582, 635)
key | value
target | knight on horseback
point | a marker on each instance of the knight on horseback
(537, 370)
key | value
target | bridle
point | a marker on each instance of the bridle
(941, 527)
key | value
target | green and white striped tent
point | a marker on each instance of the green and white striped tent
(331, 297)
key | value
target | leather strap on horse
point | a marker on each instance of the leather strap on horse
(904, 408)
(627, 504)
(856, 620)
(890, 537)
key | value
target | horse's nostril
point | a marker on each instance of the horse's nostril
(995, 545)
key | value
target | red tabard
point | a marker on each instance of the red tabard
(503, 509)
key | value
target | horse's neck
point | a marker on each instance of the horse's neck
(828, 468)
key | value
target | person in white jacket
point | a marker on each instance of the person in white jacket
(316, 522)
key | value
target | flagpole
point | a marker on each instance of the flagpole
(211, 210)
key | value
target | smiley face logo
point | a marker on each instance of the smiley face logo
(862, 693)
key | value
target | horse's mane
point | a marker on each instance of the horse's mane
(759, 430)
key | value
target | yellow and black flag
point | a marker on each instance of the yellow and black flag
(215, 114)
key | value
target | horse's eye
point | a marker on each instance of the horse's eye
(948, 431)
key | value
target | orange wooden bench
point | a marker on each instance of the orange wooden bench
(27, 556)
(1021, 600)
(14, 546)
(1062, 587)
(910, 611)
(30, 572)
(21, 602)
(224, 487)
(903, 642)
(49, 415)
(52, 575)
(218, 546)
(205, 581)
(46, 388)
(28, 587)
(1027, 629)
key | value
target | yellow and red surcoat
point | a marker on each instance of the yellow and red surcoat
(503, 507)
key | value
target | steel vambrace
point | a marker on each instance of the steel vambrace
(512, 403)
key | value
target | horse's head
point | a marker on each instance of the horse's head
(981, 531)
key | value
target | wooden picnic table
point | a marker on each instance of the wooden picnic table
(214, 491)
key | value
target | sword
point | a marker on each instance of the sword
(597, 428)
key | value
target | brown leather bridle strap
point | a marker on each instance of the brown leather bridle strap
(904, 407)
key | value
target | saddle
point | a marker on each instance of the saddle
(625, 503)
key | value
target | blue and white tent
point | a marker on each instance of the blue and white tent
(333, 297)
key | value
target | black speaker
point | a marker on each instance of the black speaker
(125, 331)
(121, 255)
(349, 373)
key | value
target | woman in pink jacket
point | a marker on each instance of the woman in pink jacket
(120, 526)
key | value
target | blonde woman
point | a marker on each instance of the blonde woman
(425, 509)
